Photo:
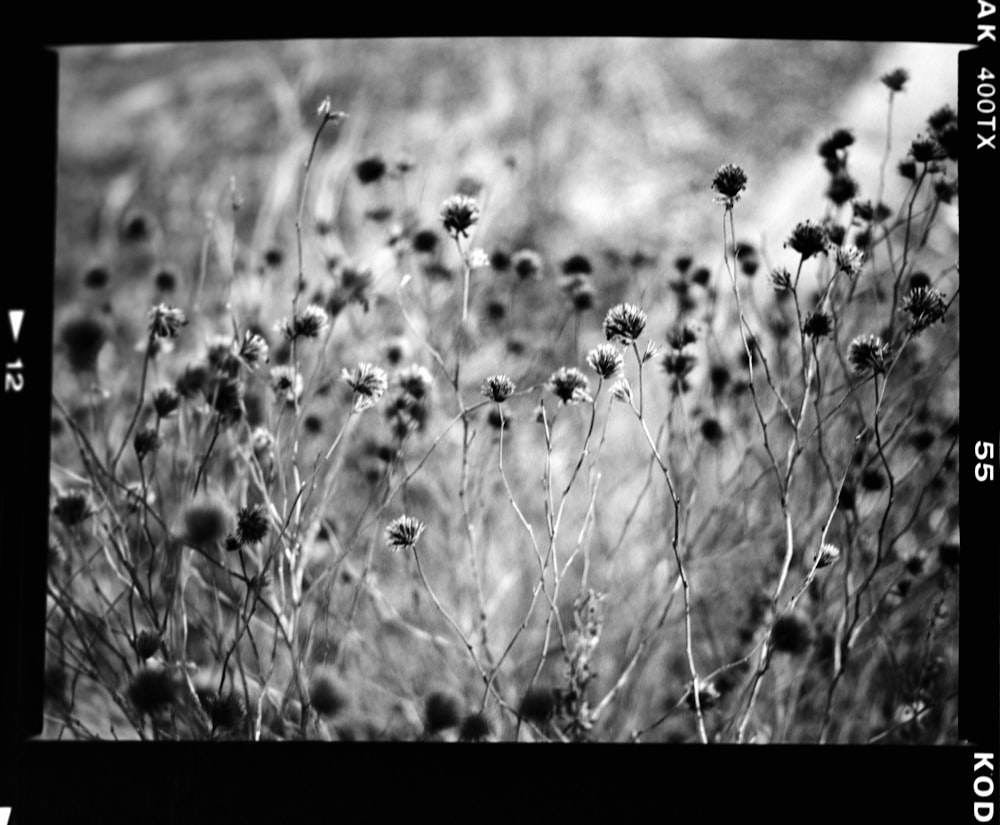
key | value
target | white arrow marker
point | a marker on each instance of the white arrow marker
(16, 317)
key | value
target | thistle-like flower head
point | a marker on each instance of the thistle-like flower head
(570, 385)
(850, 260)
(369, 384)
(624, 323)
(925, 306)
(817, 325)
(808, 239)
(868, 352)
(165, 321)
(251, 524)
(403, 533)
(606, 360)
(828, 555)
(286, 383)
(459, 214)
(730, 181)
(498, 388)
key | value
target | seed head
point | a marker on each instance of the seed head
(165, 321)
(403, 533)
(459, 213)
(817, 325)
(327, 693)
(808, 239)
(475, 728)
(309, 324)
(624, 323)
(907, 167)
(225, 394)
(577, 265)
(791, 634)
(730, 181)
(253, 350)
(527, 264)
(829, 555)
(498, 388)
(443, 710)
(165, 401)
(286, 383)
(147, 643)
(146, 441)
(621, 390)
(570, 385)
(781, 280)
(251, 524)
(96, 277)
(370, 169)
(369, 384)
(926, 149)
(842, 188)
(711, 431)
(152, 689)
(206, 521)
(895, 80)
(72, 508)
(850, 259)
(83, 338)
(606, 360)
(416, 381)
(538, 705)
(868, 352)
(426, 240)
(925, 306)
(228, 711)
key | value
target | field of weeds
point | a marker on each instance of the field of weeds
(504, 390)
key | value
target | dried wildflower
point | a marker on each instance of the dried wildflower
(253, 350)
(327, 693)
(791, 634)
(136, 226)
(682, 263)
(165, 321)
(850, 259)
(926, 149)
(781, 279)
(96, 277)
(165, 401)
(839, 140)
(403, 533)
(146, 441)
(251, 524)
(842, 188)
(919, 280)
(500, 260)
(475, 728)
(498, 388)
(225, 394)
(808, 239)
(228, 711)
(872, 480)
(527, 264)
(701, 276)
(426, 240)
(147, 644)
(868, 353)
(817, 325)
(370, 169)
(683, 335)
(895, 80)
(711, 431)
(416, 381)
(577, 265)
(678, 362)
(193, 380)
(580, 292)
(907, 167)
(730, 181)
(624, 323)
(925, 306)
(72, 508)
(945, 190)
(309, 324)
(570, 385)
(286, 383)
(206, 521)
(538, 705)
(947, 136)
(442, 710)
(369, 384)
(606, 360)
(621, 390)
(829, 555)
(166, 278)
(83, 339)
(152, 689)
(459, 213)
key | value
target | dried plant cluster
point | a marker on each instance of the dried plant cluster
(345, 501)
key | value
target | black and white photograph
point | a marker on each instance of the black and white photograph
(506, 390)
